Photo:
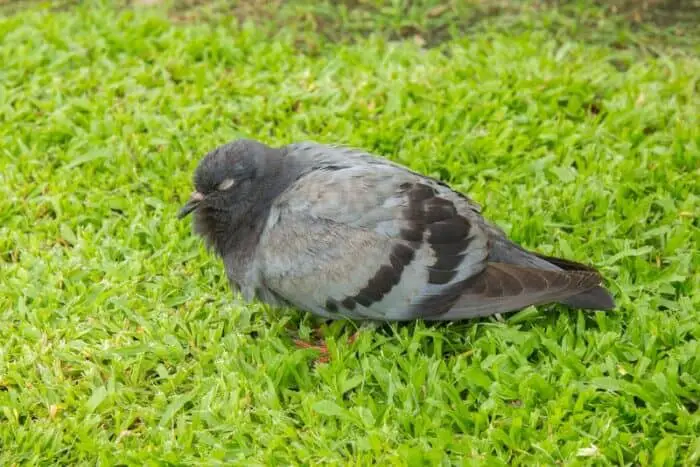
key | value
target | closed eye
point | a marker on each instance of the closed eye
(226, 184)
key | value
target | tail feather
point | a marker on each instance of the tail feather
(502, 287)
(564, 264)
(596, 298)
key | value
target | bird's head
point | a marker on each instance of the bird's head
(230, 185)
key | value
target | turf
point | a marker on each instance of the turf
(120, 342)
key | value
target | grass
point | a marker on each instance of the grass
(120, 342)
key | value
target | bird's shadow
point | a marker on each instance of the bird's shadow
(455, 334)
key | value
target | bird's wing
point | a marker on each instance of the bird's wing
(376, 242)
(314, 156)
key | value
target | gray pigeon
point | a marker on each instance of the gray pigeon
(345, 234)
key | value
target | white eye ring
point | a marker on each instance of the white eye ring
(226, 184)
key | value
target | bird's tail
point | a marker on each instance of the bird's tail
(598, 298)
(502, 287)
(595, 298)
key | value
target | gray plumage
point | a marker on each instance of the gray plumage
(342, 233)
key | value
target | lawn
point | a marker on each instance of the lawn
(121, 343)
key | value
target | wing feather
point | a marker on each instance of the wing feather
(418, 241)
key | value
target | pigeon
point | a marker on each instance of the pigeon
(346, 234)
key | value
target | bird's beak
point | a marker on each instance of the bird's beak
(190, 205)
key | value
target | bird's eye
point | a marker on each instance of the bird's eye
(226, 184)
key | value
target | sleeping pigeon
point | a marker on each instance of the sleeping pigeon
(346, 234)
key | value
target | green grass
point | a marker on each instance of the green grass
(120, 342)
